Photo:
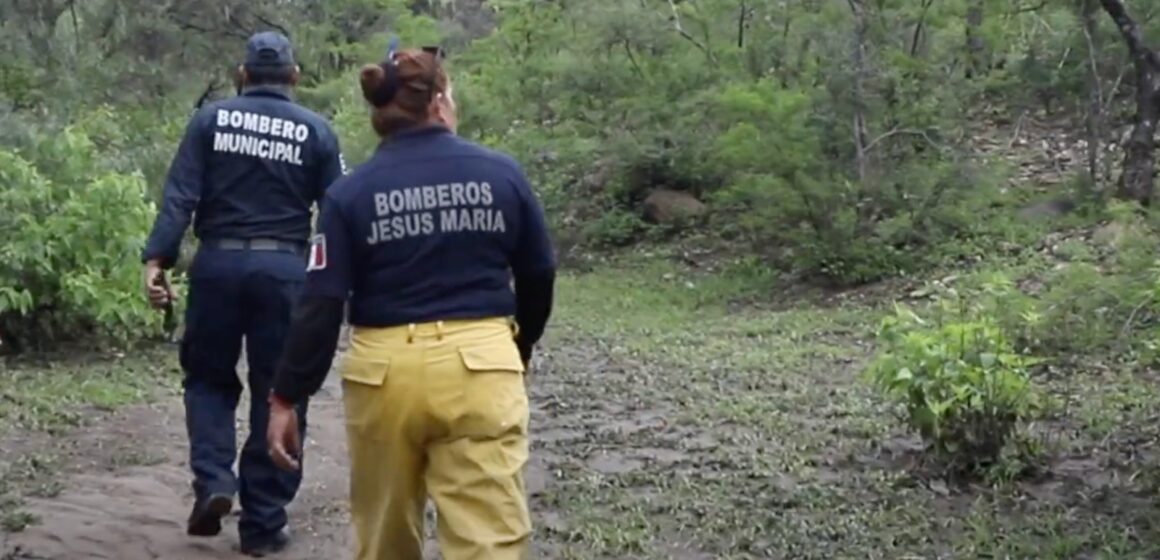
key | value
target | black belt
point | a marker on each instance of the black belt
(256, 245)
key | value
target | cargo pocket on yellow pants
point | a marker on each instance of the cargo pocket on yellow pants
(363, 395)
(476, 477)
(497, 397)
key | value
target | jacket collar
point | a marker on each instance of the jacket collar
(279, 92)
(415, 133)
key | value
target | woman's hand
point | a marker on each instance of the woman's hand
(282, 434)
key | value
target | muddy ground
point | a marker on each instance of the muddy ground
(669, 423)
(118, 488)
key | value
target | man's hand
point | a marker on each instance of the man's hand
(157, 286)
(282, 434)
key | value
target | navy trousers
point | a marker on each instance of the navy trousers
(237, 296)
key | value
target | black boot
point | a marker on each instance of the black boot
(206, 518)
(271, 544)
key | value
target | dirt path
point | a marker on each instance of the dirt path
(109, 510)
(124, 492)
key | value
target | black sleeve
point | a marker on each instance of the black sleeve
(534, 291)
(534, 271)
(309, 348)
(184, 187)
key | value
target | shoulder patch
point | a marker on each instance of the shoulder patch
(317, 253)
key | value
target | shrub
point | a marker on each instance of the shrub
(963, 386)
(615, 228)
(1103, 305)
(72, 233)
(1099, 298)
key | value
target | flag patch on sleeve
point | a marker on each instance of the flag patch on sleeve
(317, 253)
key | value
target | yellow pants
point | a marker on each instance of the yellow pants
(437, 410)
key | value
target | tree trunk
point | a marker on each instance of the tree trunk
(859, 57)
(976, 48)
(1138, 173)
(1095, 116)
(425, 7)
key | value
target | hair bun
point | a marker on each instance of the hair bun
(371, 78)
(401, 90)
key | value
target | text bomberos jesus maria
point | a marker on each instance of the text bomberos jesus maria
(449, 208)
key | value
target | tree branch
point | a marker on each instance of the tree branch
(918, 27)
(190, 26)
(676, 19)
(1026, 9)
(741, 25)
(632, 59)
(264, 21)
(1115, 88)
(1095, 93)
(897, 131)
(72, 8)
(859, 59)
(1130, 32)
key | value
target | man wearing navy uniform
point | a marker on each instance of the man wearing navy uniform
(249, 170)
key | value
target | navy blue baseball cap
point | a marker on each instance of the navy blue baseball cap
(269, 48)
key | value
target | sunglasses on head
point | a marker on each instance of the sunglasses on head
(393, 47)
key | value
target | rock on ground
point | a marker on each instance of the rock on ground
(665, 206)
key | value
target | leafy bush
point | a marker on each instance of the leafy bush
(1097, 295)
(72, 234)
(785, 192)
(964, 387)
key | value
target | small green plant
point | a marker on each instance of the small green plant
(13, 519)
(16, 521)
(964, 387)
(615, 228)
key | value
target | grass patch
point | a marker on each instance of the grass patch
(13, 520)
(54, 394)
(29, 474)
(704, 428)
(45, 397)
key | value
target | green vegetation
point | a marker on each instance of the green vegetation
(843, 279)
(76, 229)
(840, 140)
(705, 423)
(55, 394)
(842, 143)
(964, 387)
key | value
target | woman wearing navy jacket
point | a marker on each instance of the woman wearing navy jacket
(424, 241)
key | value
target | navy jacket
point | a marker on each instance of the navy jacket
(433, 227)
(249, 167)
